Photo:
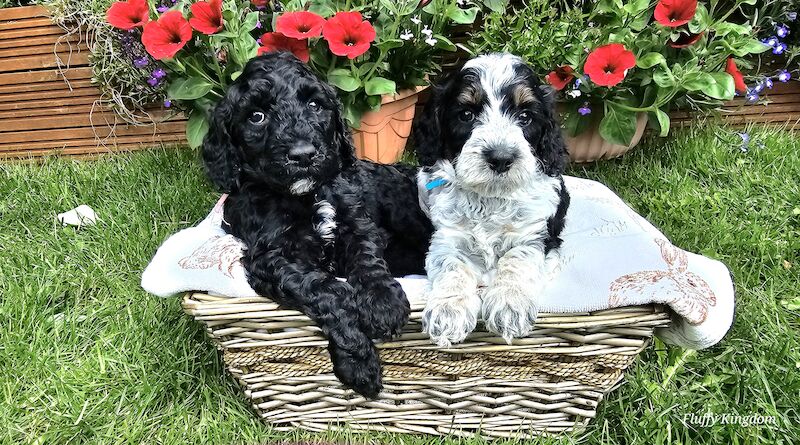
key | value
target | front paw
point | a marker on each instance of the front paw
(383, 309)
(509, 311)
(448, 320)
(358, 368)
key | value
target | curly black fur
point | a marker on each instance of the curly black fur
(309, 211)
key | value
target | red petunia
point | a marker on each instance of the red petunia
(608, 64)
(259, 3)
(348, 35)
(738, 78)
(275, 41)
(686, 40)
(128, 15)
(560, 77)
(674, 13)
(207, 17)
(164, 38)
(300, 25)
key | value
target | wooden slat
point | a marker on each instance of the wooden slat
(44, 61)
(87, 142)
(23, 12)
(48, 103)
(23, 97)
(49, 111)
(85, 150)
(22, 33)
(44, 40)
(55, 88)
(41, 49)
(73, 73)
(101, 131)
(100, 117)
(24, 23)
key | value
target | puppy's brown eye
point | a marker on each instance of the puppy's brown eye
(525, 118)
(257, 117)
(315, 106)
(466, 116)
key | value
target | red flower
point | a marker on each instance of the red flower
(608, 64)
(207, 16)
(259, 3)
(686, 40)
(128, 15)
(674, 13)
(560, 77)
(275, 41)
(165, 37)
(738, 79)
(300, 25)
(348, 35)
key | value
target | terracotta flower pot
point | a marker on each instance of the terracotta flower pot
(589, 146)
(383, 133)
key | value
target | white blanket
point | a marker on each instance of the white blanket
(610, 257)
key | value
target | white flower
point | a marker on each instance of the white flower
(572, 94)
(461, 2)
(416, 20)
(427, 31)
(431, 41)
(407, 35)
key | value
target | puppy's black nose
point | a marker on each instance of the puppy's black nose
(500, 160)
(302, 153)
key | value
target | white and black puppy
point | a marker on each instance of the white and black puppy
(494, 155)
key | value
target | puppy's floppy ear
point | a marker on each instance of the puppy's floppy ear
(219, 153)
(343, 140)
(551, 151)
(426, 134)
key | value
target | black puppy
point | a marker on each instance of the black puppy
(308, 211)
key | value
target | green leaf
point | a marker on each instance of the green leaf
(379, 85)
(701, 20)
(249, 23)
(196, 128)
(343, 80)
(444, 43)
(723, 87)
(636, 6)
(618, 125)
(697, 81)
(461, 16)
(753, 46)
(724, 28)
(576, 124)
(352, 115)
(498, 5)
(663, 77)
(663, 122)
(386, 45)
(188, 88)
(650, 60)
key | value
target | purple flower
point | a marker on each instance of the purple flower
(791, 15)
(258, 24)
(768, 83)
(784, 76)
(751, 97)
(141, 62)
(167, 103)
(584, 110)
(772, 41)
(759, 87)
(159, 73)
(152, 81)
(578, 83)
(779, 49)
(162, 9)
(782, 30)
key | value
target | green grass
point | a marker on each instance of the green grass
(86, 356)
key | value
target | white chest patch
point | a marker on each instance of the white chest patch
(325, 221)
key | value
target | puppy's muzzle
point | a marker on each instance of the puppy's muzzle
(302, 153)
(500, 159)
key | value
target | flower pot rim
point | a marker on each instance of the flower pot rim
(402, 94)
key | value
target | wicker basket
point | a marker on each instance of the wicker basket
(549, 382)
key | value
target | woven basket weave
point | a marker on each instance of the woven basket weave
(548, 382)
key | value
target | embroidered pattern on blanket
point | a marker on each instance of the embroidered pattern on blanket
(222, 252)
(685, 292)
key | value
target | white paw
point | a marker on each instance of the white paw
(449, 320)
(509, 311)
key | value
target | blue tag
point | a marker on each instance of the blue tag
(435, 183)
